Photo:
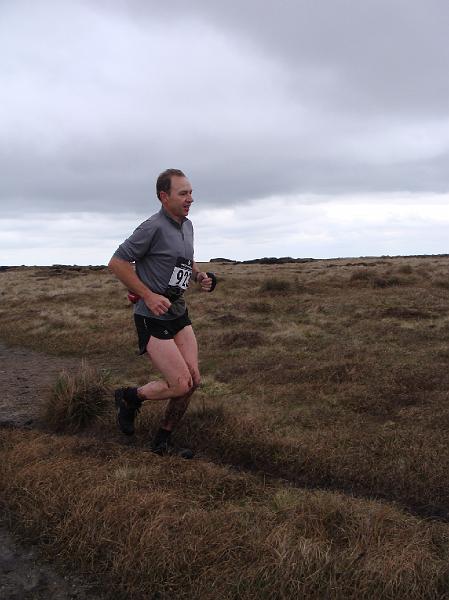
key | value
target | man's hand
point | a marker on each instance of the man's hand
(206, 282)
(158, 304)
(124, 271)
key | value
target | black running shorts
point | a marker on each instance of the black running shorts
(163, 330)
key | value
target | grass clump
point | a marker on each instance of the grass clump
(275, 285)
(405, 269)
(374, 279)
(362, 275)
(384, 282)
(441, 282)
(76, 400)
(260, 307)
(403, 312)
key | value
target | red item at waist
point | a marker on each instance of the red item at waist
(133, 298)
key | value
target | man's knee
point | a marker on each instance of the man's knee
(186, 384)
(182, 386)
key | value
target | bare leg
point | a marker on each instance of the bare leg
(177, 360)
(175, 410)
(186, 342)
(166, 357)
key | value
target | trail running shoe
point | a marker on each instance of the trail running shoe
(126, 413)
(167, 449)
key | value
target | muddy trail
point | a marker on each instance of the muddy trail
(25, 576)
(24, 376)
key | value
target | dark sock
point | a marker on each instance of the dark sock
(131, 397)
(162, 437)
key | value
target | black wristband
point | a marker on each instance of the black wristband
(214, 280)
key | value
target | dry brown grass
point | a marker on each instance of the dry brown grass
(146, 526)
(336, 382)
(76, 400)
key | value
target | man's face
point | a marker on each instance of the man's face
(177, 202)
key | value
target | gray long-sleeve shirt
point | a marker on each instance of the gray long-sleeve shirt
(162, 250)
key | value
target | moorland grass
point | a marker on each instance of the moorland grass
(337, 382)
(76, 400)
(148, 527)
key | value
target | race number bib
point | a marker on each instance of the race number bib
(181, 274)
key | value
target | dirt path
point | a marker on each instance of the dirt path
(24, 577)
(24, 378)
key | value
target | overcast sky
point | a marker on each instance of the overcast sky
(308, 129)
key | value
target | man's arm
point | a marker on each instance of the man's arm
(124, 271)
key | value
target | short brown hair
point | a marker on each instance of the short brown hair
(163, 183)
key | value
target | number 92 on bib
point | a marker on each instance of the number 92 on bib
(181, 273)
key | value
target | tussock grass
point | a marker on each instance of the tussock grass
(260, 307)
(277, 286)
(441, 283)
(145, 526)
(375, 279)
(362, 275)
(76, 399)
(383, 282)
(405, 269)
(243, 338)
(227, 318)
(403, 312)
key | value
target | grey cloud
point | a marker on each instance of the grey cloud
(99, 143)
(382, 55)
(93, 177)
(90, 178)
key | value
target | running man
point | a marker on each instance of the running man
(162, 250)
